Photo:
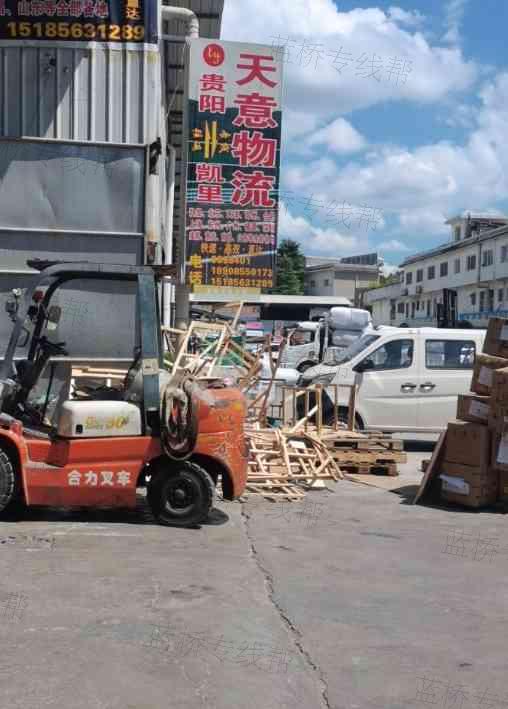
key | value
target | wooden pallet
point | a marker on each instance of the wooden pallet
(280, 463)
(354, 456)
(388, 469)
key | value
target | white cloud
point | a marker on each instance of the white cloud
(455, 10)
(314, 84)
(392, 245)
(316, 240)
(425, 185)
(411, 18)
(339, 136)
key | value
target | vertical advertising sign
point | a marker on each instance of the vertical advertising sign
(233, 160)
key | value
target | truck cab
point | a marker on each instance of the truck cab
(309, 342)
(303, 348)
(407, 379)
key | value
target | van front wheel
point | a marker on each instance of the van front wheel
(342, 417)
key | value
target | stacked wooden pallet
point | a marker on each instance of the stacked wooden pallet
(364, 452)
(283, 463)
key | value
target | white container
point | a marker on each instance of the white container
(349, 318)
(99, 419)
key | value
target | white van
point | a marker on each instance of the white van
(408, 378)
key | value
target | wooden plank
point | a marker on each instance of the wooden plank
(432, 468)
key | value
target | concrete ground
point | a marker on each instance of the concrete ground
(351, 599)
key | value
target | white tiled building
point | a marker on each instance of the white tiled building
(474, 264)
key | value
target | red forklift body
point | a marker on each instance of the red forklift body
(53, 466)
(93, 472)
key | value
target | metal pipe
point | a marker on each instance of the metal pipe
(168, 235)
(181, 291)
(169, 12)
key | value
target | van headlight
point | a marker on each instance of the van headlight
(324, 379)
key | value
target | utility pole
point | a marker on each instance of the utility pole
(181, 291)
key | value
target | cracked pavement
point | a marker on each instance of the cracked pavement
(353, 599)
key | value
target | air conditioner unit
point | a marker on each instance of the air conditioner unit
(404, 291)
(419, 289)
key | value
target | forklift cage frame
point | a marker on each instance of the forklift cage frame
(55, 274)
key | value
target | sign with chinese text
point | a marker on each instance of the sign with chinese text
(115, 21)
(233, 158)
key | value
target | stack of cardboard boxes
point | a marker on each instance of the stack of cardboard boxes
(474, 470)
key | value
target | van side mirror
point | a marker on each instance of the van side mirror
(364, 366)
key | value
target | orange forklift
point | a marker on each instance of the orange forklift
(94, 446)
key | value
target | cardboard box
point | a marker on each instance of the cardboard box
(503, 486)
(499, 392)
(499, 451)
(498, 416)
(474, 408)
(496, 340)
(468, 443)
(468, 485)
(484, 367)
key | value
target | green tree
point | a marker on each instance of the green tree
(290, 269)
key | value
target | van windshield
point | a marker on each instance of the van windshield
(335, 356)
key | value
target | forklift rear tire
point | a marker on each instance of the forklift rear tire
(182, 496)
(7, 481)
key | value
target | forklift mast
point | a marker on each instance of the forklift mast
(447, 310)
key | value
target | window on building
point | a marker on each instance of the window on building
(443, 269)
(473, 299)
(418, 305)
(456, 265)
(392, 310)
(396, 354)
(488, 258)
(500, 295)
(482, 301)
(449, 354)
(413, 308)
(428, 308)
(431, 272)
(409, 278)
(313, 284)
(326, 282)
(504, 253)
(407, 310)
(456, 232)
(471, 262)
(419, 275)
(490, 300)
(400, 308)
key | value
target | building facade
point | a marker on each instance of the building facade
(333, 277)
(474, 264)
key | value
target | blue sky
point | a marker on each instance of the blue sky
(410, 131)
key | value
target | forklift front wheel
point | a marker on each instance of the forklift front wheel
(181, 496)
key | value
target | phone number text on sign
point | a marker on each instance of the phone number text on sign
(78, 20)
(65, 30)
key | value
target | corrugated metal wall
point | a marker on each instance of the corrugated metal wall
(98, 94)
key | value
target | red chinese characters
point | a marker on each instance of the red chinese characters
(209, 179)
(252, 188)
(255, 111)
(257, 69)
(252, 149)
(209, 86)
